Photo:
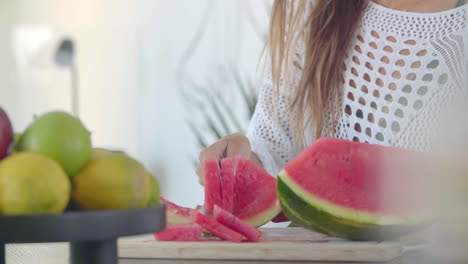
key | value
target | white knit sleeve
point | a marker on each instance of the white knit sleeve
(269, 130)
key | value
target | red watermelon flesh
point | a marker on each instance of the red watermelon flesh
(213, 192)
(236, 224)
(359, 176)
(176, 214)
(254, 193)
(182, 211)
(215, 228)
(180, 232)
(227, 184)
(280, 218)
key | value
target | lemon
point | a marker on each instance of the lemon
(32, 183)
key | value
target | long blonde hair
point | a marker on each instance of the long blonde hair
(327, 32)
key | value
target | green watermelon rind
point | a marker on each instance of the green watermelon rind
(308, 215)
(349, 213)
(265, 216)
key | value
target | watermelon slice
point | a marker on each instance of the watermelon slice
(236, 224)
(240, 187)
(255, 199)
(227, 184)
(215, 228)
(213, 192)
(176, 214)
(180, 232)
(353, 190)
(280, 218)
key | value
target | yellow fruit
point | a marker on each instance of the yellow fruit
(100, 152)
(112, 182)
(155, 192)
(32, 183)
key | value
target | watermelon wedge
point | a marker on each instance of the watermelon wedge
(224, 217)
(240, 187)
(227, 184)
(255, 199)
(176, 214)
(180, 232)
(353, 190)
(215, 228)
(213, 192)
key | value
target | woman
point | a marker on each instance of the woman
(371, 71)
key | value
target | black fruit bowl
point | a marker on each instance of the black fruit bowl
(92, 234)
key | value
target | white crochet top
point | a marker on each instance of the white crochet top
(401, 70)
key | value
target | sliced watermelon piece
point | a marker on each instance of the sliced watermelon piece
(176, 214)
(339, 187)
(213, 192)
(180, 232)
(240, 187)
(227, 184)
(281, 217)
(255, 199)
(215, 228)
(224, 217)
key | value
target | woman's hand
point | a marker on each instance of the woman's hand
(229, 146)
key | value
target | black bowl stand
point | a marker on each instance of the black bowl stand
(92, 236)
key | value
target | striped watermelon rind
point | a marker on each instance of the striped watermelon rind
(265, 216)
(262, 217)
(310, 212)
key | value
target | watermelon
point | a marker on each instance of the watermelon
(255, 199)
(180, 232)
(224, 217)
(353, 190)
(280, 218)
(240, 187)
(227, 184)
(215, 228)
(213, 192)
(176, 214)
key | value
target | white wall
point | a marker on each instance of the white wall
(8, 15)
(129, 56)
(104, 32)
(167, 143)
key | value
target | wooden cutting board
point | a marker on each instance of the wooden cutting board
(277, 244)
